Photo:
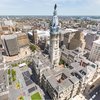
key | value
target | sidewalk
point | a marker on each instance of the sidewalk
(79, 97)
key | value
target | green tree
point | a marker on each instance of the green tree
(10, 81)
(13, 75)
(13, 72)
(33, 48)
(9, 71)
(14, 78)
(61, 62)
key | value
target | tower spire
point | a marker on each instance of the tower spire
(54, 39)
(54, 23)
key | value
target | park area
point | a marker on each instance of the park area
(36, 96)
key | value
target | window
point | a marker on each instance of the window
(56, 42)
(55, 61)
(98, 48)
(56, 36)
(55, 53)
(56, 48)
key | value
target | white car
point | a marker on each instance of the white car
(93, 96)
(96, 93)
(90, 99)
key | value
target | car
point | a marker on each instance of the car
(93, 96)
(96, 93)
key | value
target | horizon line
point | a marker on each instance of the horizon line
(48, 15)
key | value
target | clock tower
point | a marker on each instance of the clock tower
(54, 39)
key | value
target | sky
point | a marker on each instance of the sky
(45, 7)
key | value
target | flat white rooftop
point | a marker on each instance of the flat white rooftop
(70, 30)
(7, 37)
(97, 41)
(67, 30)
(23, 64)
(42, 33)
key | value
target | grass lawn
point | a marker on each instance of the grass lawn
(36, 96)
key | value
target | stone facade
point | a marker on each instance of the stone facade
(67, 38)
(77, 41)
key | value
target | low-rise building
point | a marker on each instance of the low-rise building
(40, 35)
(60, 85)
(41, 63)
(70, 56)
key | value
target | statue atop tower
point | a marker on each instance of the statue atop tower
(55, 7)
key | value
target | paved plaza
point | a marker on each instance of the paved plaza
(27, 86)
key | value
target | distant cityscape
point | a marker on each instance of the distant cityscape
(49, 57)
(97, 18)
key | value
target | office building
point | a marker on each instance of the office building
(22, 39)
(89, 38)
(95, 51)
(68, 36)
(10, 44)
(77, 41)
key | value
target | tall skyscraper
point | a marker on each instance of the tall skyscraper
(54, 39)
(77, 41)
(95, 51)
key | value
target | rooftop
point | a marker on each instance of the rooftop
(19, 33)
(60, 79)
(42, 33)
(97, 41)
(7, 37)
(74, 79)
(67, 30)
(89, 32)
(41, 61)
